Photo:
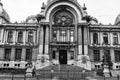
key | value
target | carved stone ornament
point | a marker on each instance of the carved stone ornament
(63, 18)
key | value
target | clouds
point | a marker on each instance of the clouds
(104, 10)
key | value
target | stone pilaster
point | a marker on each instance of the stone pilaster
(1, 35)
(85, 41)
(79, 41)
(111, 38)
(118, 38)
(85, 36)
(14, 36)
(13, 54)
(79, 36)
(24, 37)
(101, 38)
(91, 37)
(23, 56)
(5, 36)
(2, 53)
(47, 40)
(112, 54)
(101, 54)
(68, 35)
(58, 36)
(41, 40)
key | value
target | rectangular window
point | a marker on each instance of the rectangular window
(95, 38)
(105, 38)
(10, 37)
(7, 54)
(20, 37)
(71, 36)
(28, 54)
(115, 38)
(18, 53)
(117, 55)
(96, 55)
(30, 37)
(63, 36)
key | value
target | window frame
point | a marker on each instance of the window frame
(10, 36)
(7, 55)
(20, 37)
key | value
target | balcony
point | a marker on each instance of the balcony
(64, 43)
(105, 45)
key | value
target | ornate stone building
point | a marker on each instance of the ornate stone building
(62, 33)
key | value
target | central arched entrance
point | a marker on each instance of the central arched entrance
(63, 56)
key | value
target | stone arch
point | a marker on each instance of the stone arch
(73, 7)
(58, 10)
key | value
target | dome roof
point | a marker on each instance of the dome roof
(117, 21)
(31, 19)
(5, 15)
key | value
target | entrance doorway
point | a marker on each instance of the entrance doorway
(63, 56)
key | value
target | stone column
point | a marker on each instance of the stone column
(41, 40)
(68, 35)
(24, 37)
(58, 36)
(13, 54)
(5, 36)
(2, 53)
(111, 39)
(118, 38)
(79, 41)
(34, 37)
(2, 31)
(101, 38)
(47, 40)
(23, 56)
(101, 54)
(85, 41)
(14, 37)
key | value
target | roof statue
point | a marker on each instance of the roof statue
(117, 21)
(3, 14)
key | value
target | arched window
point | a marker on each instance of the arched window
(115, 38)
(20, 37)
(63, 18)
(30, 37)
(95, 38)
(10, 37)
(105, 38)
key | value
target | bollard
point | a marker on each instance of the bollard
(118, 77)
(24, 77)
(104, 77)
(12, 77)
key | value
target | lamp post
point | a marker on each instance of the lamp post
(106, 62)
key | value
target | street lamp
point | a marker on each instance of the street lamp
(106, 62)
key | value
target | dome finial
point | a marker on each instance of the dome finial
(84, 7)
(43, 6)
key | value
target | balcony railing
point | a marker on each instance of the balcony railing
(67, 43)
(104, 45)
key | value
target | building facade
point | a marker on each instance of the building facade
(63, 33)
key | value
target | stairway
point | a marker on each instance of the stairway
(63, 71)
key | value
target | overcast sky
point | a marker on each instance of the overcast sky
(105, 11)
